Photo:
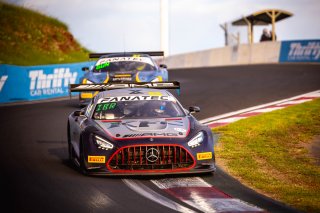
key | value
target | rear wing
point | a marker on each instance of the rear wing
(110, 86)
(152, 53)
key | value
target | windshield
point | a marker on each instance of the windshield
(124, 64)
(137, 109)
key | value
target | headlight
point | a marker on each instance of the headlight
(196, 140)
(89, 82)
(157, 79)
(103, 144)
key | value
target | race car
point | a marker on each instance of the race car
(122, 67)
(138, 129)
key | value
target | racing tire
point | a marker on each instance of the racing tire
(70, 148)
(83, 167)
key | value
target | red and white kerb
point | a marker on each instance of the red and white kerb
(257, 110)
(201, 195)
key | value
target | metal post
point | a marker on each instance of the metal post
(252, 34)
(249, 29)
(273, 17)
(236, 37)
(273, 25)
(225, 29)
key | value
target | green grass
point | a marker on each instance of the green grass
(30, 38)
(270, 153)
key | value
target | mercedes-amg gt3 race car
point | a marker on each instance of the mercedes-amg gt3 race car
(122, 67)
(136, 129)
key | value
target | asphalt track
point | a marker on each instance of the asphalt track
(36, 176)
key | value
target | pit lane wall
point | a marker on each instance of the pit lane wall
(28, 83)
(245, 54)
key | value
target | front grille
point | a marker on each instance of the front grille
(135, 158)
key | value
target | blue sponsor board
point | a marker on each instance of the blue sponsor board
(300, 51)
(26, 83)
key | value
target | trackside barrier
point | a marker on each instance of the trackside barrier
(27, 83)
(245, 54)
(300, 51)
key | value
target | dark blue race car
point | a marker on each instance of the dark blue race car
(122, 67)
(138, 129)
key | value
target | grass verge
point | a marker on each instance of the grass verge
(271, 154)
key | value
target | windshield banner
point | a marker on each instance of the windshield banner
(26, 83)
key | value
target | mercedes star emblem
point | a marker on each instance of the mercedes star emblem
(152, 155)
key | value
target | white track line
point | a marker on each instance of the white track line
(168, 183)
(154, 196)
(250, 109)
(201, 195)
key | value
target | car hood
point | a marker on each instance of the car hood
(121, 76)
(146, 128)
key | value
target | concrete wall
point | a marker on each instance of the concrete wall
(259, 53)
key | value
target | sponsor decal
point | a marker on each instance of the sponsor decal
(300, 51)
(86, 95)
(135, 91)
(83, 87)
(96, 159)
(121, 59)
(180, 130)
(122, 79)
(136, 98)
(51, 84)
(204, 155)
(309, 51)
(3, 81)
(152, 155)
(150, 134)
(105, 106)
(155, 93)
(101, 66)
(122, 75)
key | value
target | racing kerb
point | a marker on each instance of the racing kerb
(199, 194)
(225, 119)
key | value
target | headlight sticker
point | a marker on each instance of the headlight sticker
(204, 155)
(155, 93)
(96, 159)
(180, 130)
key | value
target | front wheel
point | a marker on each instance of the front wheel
(82, 160)
(70, 148)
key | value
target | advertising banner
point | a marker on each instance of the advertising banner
(300, 51)
(26, 83)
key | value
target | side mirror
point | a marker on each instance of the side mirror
(85, 68)
(194, 109)
(163, 66)
(78, 113)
